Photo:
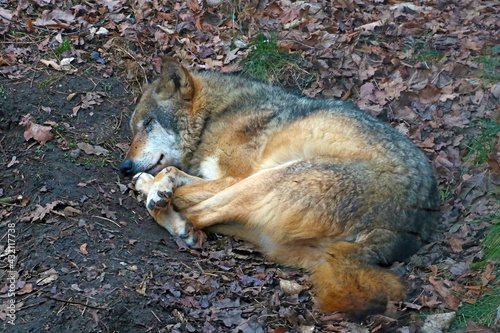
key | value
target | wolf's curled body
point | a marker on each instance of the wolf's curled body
(316, 184)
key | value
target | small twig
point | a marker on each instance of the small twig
(75, 303)
(154, 314)
(105, 219)
(69, 226)
(84, 309)
(437, 76)
(119, 122)
(57, 213)
(126, 52)
(30, 306)
(10, 42)
(186, 266)
(9, 204)
(61, 309)
(296, 41)
(203, 272)
(32, 79)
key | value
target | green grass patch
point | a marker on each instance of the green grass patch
(490, 71)
(444, 193)
(423, 49)
(427, 55)
(107, 86)
(65, 46)
(266, 60)
(482, 312)
(483, 144)
(492, 242)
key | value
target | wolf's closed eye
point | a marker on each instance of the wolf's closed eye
(147, 122)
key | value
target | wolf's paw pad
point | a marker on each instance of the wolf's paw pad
(158, 199)
(161, 200)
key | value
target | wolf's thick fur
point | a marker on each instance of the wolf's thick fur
(316, 184)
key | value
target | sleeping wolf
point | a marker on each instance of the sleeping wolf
(315, 184)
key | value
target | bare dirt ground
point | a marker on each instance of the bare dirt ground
(89, 258)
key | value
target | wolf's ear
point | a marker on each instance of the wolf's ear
(174, 77)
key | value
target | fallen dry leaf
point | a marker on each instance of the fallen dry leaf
(41, 211)
(456, 243)
(123, 146)
(438, 322)
(72, 211)
(28, 288)
(142, 287)
(279, 329)
(451, 300)
(47, 277)
(38, 132)
(92, 150)
(472, 327)
(290, 287)
(488, 275)
(429, 94)
(51, 63)
(83, 249)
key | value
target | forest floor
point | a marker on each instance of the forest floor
(79, 252)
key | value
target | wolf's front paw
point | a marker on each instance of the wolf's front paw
(161, 191)
(143, 182)
(160, 199)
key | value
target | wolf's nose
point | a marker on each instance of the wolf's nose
(126, 167)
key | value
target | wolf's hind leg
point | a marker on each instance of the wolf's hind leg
(178, 225)
(287, 203)
(192, 194)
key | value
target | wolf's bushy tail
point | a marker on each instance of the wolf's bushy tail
(344, 282)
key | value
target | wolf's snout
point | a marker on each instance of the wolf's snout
(127, 167)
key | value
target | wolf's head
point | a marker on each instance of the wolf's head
(155, 123)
